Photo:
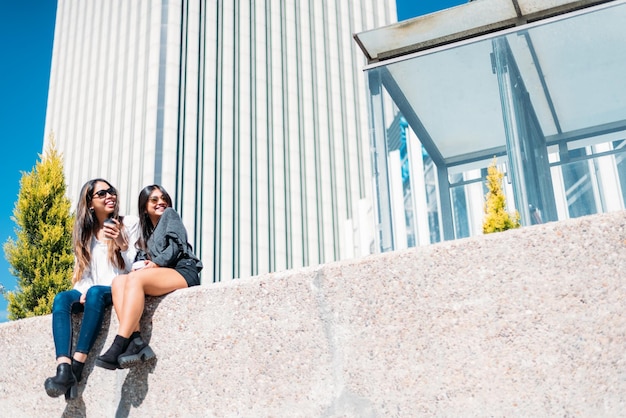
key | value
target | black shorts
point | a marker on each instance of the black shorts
(188, 269)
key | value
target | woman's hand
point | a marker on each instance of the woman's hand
(142, 264)
(112, 231)
(111, 228)
(83, 297)
(151, 264)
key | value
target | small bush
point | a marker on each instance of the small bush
(497, 219)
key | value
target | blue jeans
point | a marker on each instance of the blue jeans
(67, 303)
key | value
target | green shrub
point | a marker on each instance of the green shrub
(496, 217)
(41, 258)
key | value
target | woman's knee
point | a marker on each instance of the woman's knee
(64, 300)
(118, 284)
(98, 294)
(135, 280)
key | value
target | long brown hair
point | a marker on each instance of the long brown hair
(85, 227)
(145, 224)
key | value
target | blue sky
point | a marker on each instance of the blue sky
(411, 8)
(26, 34)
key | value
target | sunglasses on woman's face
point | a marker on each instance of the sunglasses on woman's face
(155, 199)
(101, 194)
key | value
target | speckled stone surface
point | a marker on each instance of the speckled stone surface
(529, 322)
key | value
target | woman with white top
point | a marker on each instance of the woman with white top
(103, 248)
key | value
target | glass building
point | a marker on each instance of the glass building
(539, 86)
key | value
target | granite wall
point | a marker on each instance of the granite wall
(526, 322)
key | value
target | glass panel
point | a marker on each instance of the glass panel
(620, 162)
(459, 209)
(580, 73)
(578, 184)
(432, 202)
(450, 99)
(593, 181)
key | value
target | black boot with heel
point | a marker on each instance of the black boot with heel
(77, 369)
(137, 352)
(63, 383)
(109, 359)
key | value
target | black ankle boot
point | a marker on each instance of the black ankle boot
(137, 352)
(109, 359)
(77, 369)
(63, 382)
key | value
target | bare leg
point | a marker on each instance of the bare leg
(64, 359)
(117, 290)
(154, 281)
(82, 357)
(117, 287)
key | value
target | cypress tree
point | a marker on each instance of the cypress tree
(41, 257)
(497, 219)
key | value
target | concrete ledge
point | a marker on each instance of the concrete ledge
(527, 322)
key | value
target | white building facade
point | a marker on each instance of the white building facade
(252, 114)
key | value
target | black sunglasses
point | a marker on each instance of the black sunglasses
(155, 199)
(101, 194)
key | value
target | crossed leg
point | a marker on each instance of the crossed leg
(129, 293)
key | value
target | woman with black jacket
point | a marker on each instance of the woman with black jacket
(166, 263)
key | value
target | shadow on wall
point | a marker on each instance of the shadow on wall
(135, 387)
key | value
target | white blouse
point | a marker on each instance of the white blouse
(100, 271)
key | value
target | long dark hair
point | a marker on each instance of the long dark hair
(145, 224)
(85, 226)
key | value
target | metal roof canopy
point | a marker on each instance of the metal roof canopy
(444, 84)
(466, 21)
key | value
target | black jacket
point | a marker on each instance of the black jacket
(168, 242)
